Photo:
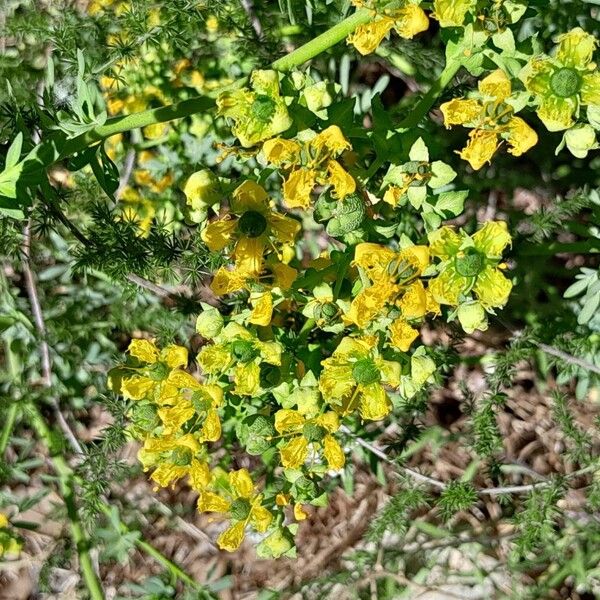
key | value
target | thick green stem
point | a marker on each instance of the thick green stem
(67, 490)
(425, 104)
(8, 427)
(322, 42)
(57, 147)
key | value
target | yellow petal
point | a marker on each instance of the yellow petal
(284, 275)
(199, 475)
(576, 48)
(481, 147)
(369, 303)
(336, 382)
(410, 20)
(374, 402)
(341, 181)
(492, 238)
(173, 417)
(402, 335)
(271, 352)
(413, 302)
(287, 420)
(211, 428)
(231, 538)
(247, 379)
(249, 255)
(417, 256)
(249, 196)
(460, 111)
(260, 518)
(374, 258)
(298, 187)
(144, 350)
(294, 453)
(497, 85)
(175, 356)
(137, 387)
(211, 502)
(218, 234)
(262, 308)
(367, 37)
(557, 113)
(299, 513)
(333, 453)
(285, 229)
(213, 359)
(166, 474)
(492, 288)
(226, 282)
(444, 242)
(282, 152)
(447, 287)
(183, 381)
(330, 141)
(521, 137)
(329, 420)
(472, 317)
(241, 483)
(590, 88)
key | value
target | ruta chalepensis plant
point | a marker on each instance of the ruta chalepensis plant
(313, 248)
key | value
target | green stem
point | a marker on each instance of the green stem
(67, 489)
(8, 427)
(57, 147)
(324, 41)
(425, 104)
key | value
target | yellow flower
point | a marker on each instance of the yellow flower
(239, 352)
(311, 163)
(173, 458)
(252, 228)
(159, 376)
(354, 376)
(471, 264)
(242, 505)
(202, 403)
(564, 82)
(305, 437)
(258, 113)
(491, 119)
(392, 275)
(407, 20)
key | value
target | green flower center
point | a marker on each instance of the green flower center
(565, 82)
(471, 263)
(252, 224)
(243, 351)
(328, 310)
(313, 433)
(365, 372)
(158, 371)
(181, 457)
(240, 509)
(263, 108)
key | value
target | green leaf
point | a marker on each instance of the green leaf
(419, 151)
(14, 152)
(442, 174)
(451, 202)
(417, 195)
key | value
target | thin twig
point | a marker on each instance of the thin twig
(40, 325)
(495, 491)
(568, 358)
(128, 165)
(248, 6)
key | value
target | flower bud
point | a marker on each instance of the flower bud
(209, 323)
